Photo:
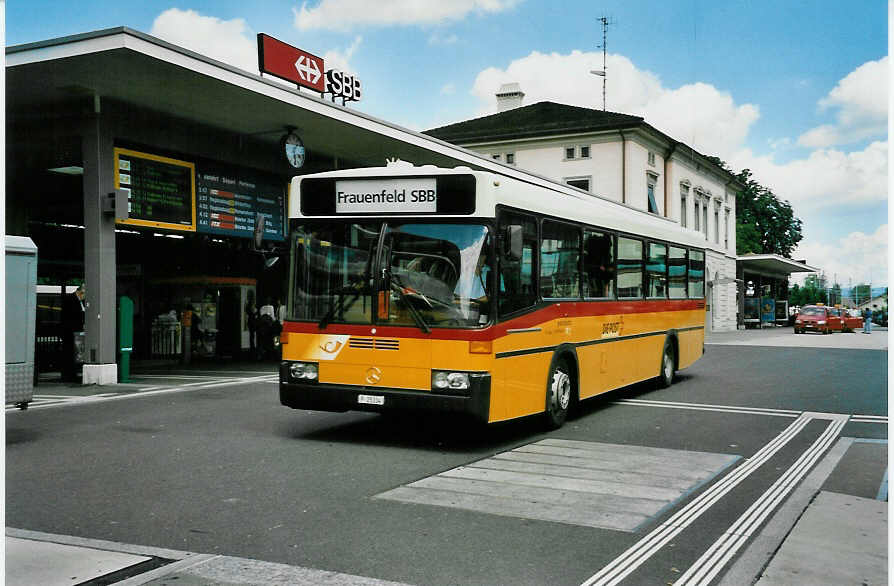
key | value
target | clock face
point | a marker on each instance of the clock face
(293, 149)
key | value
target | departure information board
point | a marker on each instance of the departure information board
(229, 200)
(162, 190)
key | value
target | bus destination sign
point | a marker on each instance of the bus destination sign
(379, 196)
(229, 201)
(161, 190)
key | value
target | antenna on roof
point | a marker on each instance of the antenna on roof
(606, 21)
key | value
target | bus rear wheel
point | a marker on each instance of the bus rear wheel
(558, 395)
(666, 376)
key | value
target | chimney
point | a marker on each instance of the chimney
(509, 96)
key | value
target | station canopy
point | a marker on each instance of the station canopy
(146, 74)
(772, 265)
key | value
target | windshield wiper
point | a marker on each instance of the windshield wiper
(417, 317)
(340, 305)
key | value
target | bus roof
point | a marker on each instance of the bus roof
(557, 200)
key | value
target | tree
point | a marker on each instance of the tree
(764, 223)
(861, 293)
(811, 292)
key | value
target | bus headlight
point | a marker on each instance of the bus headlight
(443, 380)
(822, 322)
(304, 370)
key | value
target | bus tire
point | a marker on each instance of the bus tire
(559, 392)
(668, 366)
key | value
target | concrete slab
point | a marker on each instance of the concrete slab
(841, 539)
(30, 562)
(591, 484)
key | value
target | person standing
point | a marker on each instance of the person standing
(73, 311)
(867, 321)
(251, 320)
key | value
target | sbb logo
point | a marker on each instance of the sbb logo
(342, 85)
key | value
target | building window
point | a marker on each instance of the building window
(726, 230)
(651, 179)
(651, 158)
(496, 156)
(569, 153)
(705, 217)
(510, 158)
(697, 215)
(585, 152)
(684, 199)
(579, 182)
(717, 223)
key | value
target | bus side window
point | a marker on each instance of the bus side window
(559, 261)
(599, 264)
(517, 289)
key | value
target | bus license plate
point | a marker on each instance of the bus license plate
(371, 399)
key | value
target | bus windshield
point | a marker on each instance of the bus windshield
(417, 274)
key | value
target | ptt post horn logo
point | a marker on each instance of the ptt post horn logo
(373, 375)
(331, 346)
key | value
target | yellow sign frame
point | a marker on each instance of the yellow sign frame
(169, 161)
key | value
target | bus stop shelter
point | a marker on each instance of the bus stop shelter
(763, 288)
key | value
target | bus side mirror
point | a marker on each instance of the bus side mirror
(512, 242)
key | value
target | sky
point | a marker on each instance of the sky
(796, 91)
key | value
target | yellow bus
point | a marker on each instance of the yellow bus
(453, 290)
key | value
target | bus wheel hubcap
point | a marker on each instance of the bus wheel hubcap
(561, 391)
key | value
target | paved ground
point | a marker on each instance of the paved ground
(839, 496)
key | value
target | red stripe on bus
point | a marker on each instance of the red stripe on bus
(535, 318)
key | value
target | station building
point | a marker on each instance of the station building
(624, 159)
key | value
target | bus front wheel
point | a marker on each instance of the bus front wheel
(666, 376)
(558, 395)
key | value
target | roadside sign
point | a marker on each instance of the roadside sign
(290, 63)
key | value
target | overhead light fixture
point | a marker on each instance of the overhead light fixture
(72, 170)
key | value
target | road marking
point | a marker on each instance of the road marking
(708, 407)
(640, 552)
(749, 410)
(67, 400)
(706, 568)
(869, 419)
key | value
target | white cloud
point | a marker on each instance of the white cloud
(698, 114)
(853, 259)
(340, 59)
(826, 178)
(346, 14)
(861, 99)
(448, 89)
(229, 41)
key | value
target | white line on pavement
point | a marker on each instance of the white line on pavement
(640, 552)
(706, 568)
(73, 400)
(706, 407)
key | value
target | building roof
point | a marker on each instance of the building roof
(773, 264)
(537, 120)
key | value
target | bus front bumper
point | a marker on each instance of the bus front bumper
(340, 398)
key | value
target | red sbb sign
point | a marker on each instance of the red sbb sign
(291, 63)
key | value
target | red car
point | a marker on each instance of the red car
(852, 320)
(816, 318)
(836, 319)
